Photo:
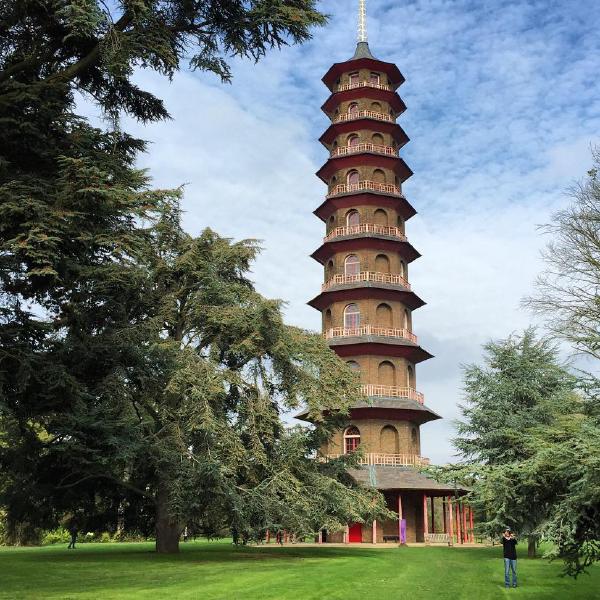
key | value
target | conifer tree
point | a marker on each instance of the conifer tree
(522, 388)
(141, 376)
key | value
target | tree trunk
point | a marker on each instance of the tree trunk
(531, 545)
(168, 529)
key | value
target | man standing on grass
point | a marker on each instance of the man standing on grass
(73, 532)
(509, 544)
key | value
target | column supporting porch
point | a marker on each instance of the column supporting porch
(450, 509)
(425, 518)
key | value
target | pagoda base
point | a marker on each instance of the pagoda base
(423, 516)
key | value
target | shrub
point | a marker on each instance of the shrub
(55, 536)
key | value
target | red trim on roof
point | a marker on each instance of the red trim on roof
(408, 298)
(390, 69)
(365, 159)
(328, 249)
(400, 204)
(393, 129)
(393, 414)
(395, 102)
(415, 354)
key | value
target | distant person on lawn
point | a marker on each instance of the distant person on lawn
(509, 544)
(73, 531)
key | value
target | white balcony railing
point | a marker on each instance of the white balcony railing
(363, 114)
(344, 188)
(367, 276)
(366, 147)
(388, 460)
(342, 332)
(365, 228)
(360, 84)
(392, 391)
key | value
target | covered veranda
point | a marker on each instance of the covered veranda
(427, 511)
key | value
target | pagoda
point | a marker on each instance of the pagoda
(367, 302)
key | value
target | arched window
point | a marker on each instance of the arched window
(402, 269)
(353, 78)
(386, 373)
(377, 139)
(388, 440)
(351, 439)
(406, 323)
(352, 178)
(375, 106)
(383, 315)
(400, 224)
(352, 218)
(351, 316)
(353, 365)
(414, 438)
(353, 108)
(380, 216)
(327, 319)
(382, 263)
(374, 78)
(329, 270)
(353, 140)
(378, 176)
(351, 265)
(330, 223)
(332, 182)
(410, 373)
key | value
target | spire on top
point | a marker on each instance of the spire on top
(362, 48)
(362, 21)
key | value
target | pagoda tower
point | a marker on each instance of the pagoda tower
(366, 299)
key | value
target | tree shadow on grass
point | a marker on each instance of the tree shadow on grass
(193, 552)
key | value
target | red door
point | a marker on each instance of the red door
(355, 533)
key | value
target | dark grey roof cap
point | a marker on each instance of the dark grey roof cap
(389, 403)
(362, 51)
(394, 403)
(399, 478)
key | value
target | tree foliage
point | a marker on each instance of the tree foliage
(97, 45)
(142, 378)
(568, 294)
(521, 390)
(569, 288)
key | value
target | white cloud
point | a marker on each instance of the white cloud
(502, 107)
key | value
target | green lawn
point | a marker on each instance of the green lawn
(211, 570)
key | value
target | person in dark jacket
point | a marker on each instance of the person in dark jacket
(509, 543)
(73, 531)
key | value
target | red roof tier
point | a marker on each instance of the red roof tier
(367, 241)
(391, 70)
(413, 353)
(365, 159)
(342, 127)
(398, 203)
(366, 291)
(372, 93)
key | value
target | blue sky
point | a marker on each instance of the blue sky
(503, 105)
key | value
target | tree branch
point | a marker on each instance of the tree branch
(82, 64)
(124, 484)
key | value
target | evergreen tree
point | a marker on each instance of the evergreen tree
(521, 388)
(141, 376)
